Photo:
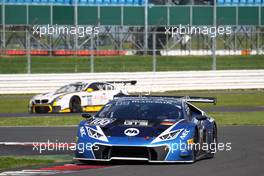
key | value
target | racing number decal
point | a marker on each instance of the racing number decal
(88, 99)
(100, 122)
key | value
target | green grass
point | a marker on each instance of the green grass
(14, 103)
(222, 118)
(41, 121)
(234, 118)
(226, 98)
(127, 63)
(230, 98)
(11, 162)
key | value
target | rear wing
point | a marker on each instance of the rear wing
(201, 99)
(193, 99)
(132, 82)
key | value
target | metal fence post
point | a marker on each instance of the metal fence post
(28, 43)
(154, 60)
(214, 40)
(28, 51)
(92, 55)
(3, 25)
(146, 28)
(76, 26)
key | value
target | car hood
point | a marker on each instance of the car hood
(49, 96)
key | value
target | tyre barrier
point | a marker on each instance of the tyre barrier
(24, 52)
(88, 53)
(65, 52)
(62, 53)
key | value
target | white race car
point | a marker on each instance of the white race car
(78, 97)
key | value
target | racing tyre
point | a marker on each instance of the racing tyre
(211, 155)
(84, 162)
(75, 105)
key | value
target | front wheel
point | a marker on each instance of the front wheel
(75, 105)
(195, 149)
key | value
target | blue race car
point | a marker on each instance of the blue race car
(149, 128)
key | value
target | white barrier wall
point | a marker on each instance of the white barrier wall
(209, 52)
(147, 81)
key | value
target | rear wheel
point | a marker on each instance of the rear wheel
(214, 141)
(75, 105)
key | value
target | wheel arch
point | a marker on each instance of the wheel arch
(75, 96)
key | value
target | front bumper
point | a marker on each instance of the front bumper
(102, 152)
(46, 108)
(132, 159)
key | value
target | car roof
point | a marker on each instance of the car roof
(86, 82)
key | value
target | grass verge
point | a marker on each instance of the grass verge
(14, 103)
(222, 118)
(225, 98)
(11, 162)
(41, 121)
(236, 118)
(127, 63)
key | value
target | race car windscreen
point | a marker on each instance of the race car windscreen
(147, 110)
(70, 88)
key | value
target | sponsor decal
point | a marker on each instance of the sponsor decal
(131, 132)
(136, 122)
(184, 134)
(82, 131)
(190, 141)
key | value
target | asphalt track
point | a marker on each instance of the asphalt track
(34, 135)
(246, 157)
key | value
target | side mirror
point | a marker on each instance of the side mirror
(201, 117)
(87, 116)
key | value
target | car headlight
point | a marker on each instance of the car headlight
(96, 134)
(58, 98)
(167, 135)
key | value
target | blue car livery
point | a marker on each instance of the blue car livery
(149, 128)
